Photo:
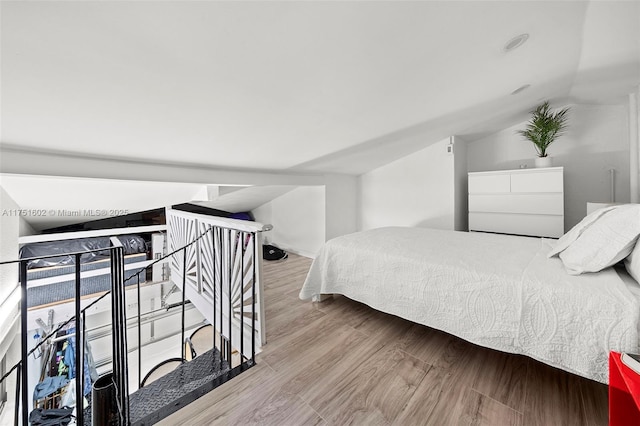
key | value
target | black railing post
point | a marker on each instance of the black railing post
(23, 324)
(78, 339)
(213, 258)
(242, 242)
(119, 340)
(222, 278)
(114, 324)
(230, 299)
(84, 340)
(16, 415)
(139, 333)
(123, 340)
(184, 288)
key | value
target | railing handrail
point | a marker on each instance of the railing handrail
(225, 222)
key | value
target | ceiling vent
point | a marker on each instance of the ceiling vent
(516, 42)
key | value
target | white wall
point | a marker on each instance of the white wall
(10, 231)
(417, 190)
(597, 140)
(24, 228)
(460, 179)
(13, 356)
(298, 219)
(634, 145)
(10, 344)
(341, 205)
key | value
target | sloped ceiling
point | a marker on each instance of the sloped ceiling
(63, 201)
(304, 86)
(50, 201)
(245, 199)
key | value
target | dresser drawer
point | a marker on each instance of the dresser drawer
(520, 224)
(552, 203)
(482, 184)
(537, 182)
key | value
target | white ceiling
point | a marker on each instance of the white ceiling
(313, 86)
(317, 86)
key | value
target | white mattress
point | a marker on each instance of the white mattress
(497, 291)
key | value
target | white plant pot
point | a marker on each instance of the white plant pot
(543, 161)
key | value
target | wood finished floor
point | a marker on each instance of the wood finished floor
(340, 362)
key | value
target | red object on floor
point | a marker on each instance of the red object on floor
(624, 393)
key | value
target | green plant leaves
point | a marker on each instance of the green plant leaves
(544, 127)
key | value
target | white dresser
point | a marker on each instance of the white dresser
(522, 202)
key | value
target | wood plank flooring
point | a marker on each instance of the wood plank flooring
(340, 362)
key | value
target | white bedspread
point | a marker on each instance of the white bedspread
(497, 291)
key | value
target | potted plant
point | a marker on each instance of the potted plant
(543, 129)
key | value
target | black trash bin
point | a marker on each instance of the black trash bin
(104, 408)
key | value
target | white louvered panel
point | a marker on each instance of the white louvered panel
(482, 183)
(537, 181)
(223, 270)
(180, 232)
(552, 203)
(520, 224)
(210, 264)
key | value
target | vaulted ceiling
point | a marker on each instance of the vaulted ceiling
(287, 87)
(298, 86)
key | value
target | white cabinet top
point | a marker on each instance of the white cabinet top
(514, 171)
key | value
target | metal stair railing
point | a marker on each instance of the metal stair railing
(221, 238)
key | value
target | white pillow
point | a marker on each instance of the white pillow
(605, 241)
(573, 234)
(632, 263)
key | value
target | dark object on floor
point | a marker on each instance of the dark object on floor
(53, 417)
(270, 252)
(104, 401)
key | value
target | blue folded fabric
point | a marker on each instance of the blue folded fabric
(48, 386)
(50, 417)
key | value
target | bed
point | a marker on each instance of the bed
(497, 291)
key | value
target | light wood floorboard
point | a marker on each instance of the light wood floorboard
(340, 362)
